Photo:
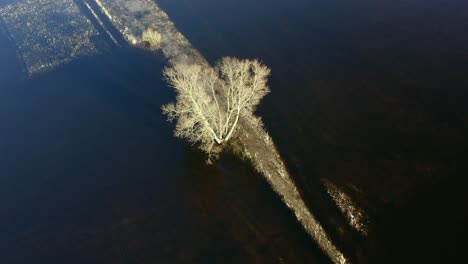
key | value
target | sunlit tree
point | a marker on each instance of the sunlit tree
(210, 101)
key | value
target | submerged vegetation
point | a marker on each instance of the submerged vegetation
(354, 215)
(46, 38)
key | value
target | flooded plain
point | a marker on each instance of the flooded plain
(368, 96)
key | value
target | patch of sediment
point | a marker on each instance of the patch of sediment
(132, 18)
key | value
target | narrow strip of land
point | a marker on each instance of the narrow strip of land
(132, 18)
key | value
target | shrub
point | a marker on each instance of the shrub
(152, 38)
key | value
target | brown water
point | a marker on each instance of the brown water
(370, 95)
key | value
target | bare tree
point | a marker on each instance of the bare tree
(210, 101)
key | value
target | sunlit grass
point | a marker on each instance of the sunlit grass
(153, 38)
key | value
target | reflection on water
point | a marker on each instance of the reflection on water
(369, 95)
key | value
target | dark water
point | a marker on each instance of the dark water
(371, 95)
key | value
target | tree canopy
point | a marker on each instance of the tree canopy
(211, 100)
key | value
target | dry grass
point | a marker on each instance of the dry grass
(152, 38)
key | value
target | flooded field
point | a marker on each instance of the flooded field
(368, 100)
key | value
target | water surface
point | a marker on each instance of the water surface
(370, 95)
